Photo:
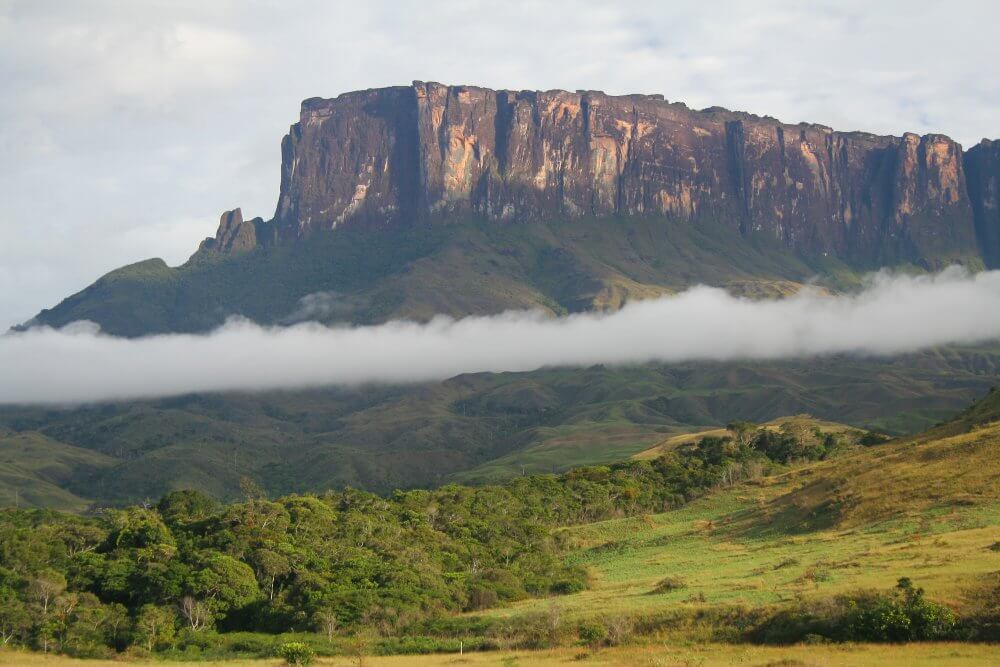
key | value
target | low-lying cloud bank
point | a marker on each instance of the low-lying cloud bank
(893, 314)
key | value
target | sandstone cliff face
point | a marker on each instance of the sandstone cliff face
(423, 152)
(983, 165)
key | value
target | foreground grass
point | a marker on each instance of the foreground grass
(946, 654)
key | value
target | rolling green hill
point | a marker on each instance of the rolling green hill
(925, 507)
(473, 428)
(36, 471)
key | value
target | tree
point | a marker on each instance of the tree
(115, 625)
(268, 566)
(327, 622)
(195, 613)
(81, 538)
(225, 583)
(84, 626)
(15, 621)
(185, 506)
(44, 588)
(743, 432)
(154, 626)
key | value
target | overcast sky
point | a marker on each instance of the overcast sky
(127, 127)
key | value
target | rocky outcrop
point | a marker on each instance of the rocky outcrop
(428, 151)
(235, 235)
(983, 168)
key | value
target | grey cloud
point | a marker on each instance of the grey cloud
(893, 314)
(324, 306)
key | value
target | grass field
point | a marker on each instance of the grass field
(924, 509)
(937, 654)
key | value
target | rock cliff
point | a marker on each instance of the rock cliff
(458, 200)
(983, 167)
(427, 151)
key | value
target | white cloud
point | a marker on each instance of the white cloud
(892, 315)
(180, 105)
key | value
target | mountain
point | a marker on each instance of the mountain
(413, 201)
(472, 428)
(416, 200)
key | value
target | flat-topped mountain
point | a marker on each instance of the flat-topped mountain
(408, 153)
(461, 200)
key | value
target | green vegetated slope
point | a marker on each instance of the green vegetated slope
(462, 268)
(926, 507)
(790, 531)
(805, 427)
(473, 428)
(36, 471)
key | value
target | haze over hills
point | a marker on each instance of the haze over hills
(425, 199)
(474, 428)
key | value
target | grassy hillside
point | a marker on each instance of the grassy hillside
(461, 268)
(475, 428)
(36, 471)
(927, 508)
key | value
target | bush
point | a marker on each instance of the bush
(296, 654)
(877, 619)
(668, 584)
(903, 616)
(872, 438)
(900, 616)
(620, 629)
(481, 598)
(592, 633)
(982, 606)
(569, 585)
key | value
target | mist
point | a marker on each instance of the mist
(890, 315)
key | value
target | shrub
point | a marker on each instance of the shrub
(296, 654)
(668, 584)
(620, 629)
(481, 598)
(877, 619)
(982, 606)
(871, 438)
(900, 616)
(592, 633)
(569, 585)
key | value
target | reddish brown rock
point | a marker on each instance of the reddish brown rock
(428, 151)
(234, 234)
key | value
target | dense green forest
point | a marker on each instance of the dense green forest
(347, 562)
